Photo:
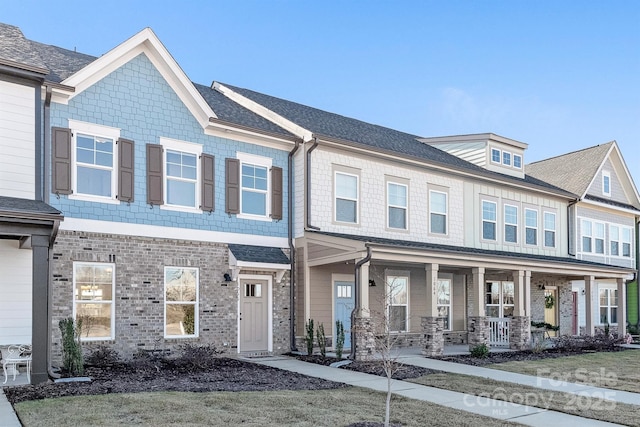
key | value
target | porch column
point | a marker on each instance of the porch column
(362, 324)
(622, 308)
(40, 309)
(478, 324)
(520, 330)
(589, 281)
(432, 326)
(364, 291)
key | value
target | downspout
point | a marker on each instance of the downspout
(357, 301)
(308, 225)
(47, 144)
(573, 231)
(292, 249)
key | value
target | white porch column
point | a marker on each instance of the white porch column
(527, 293)
(622, 308)
(589, 282)
(364, 290)
(519, 307)
(432, 290)
(477, 292)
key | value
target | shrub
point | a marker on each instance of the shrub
(339, 338)
(322, 340)
(480, 351)
(103, 356)
(308, 339)
(197, 357)
(72, 359)
(599, 342)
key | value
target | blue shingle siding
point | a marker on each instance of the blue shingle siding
(136, 99)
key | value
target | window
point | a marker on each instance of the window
(346, 192)
(606, 183)
(182, 178)
(398, 288)
(254, 190)
(94, 165)
(396, 205)
(499, 299)
(93, 290)
(510, 224)
(506, 158)
(608, 306)
(181, 302)
(614, 240)
(517, 161)
(444, 302)
(549, 229)
(586, 236)
(531, 226)
(489, 220)
(599, 237)
(495, 155)
(437, 212)
(626, 242)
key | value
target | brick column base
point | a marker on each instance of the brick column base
(478, 328)
(432, 338)
(365, 340)
(520, 333)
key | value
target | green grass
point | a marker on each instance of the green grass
(277, 408)
(598, 409)
(619, 370)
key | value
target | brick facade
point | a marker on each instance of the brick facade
(139, 291)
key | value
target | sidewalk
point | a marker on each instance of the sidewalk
(8, 417)
(506, 411)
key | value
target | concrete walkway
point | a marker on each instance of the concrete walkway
(8, 417)
(527, 415)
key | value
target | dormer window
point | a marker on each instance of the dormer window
(517, 161)
(506, 158)
(495, 155)
(606, 183)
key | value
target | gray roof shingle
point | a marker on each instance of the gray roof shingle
(14, 204)
(262, 254)
(15, 47)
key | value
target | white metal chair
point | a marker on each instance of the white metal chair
(14, 356)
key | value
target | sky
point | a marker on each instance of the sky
(557, 75)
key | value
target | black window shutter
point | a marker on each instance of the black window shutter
(232, 186)
(61, 161)
(154, 174)
(125, 170)
(276, 193)
(207, 198)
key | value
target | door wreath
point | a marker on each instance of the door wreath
(549, 301)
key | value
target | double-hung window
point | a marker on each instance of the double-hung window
(398, 291)
(444, 302)
(549, 230)
(587, 236)
(438, 212)
(626, 242)
(531, 226)
(495, 155)
(181, 174)
(614, 240)
(506, 158)
(95, 165)
(489, 220)
(181, 302)
(499, 299)
(606, 183)
(510, 224)
(397, 202)
(346, 197)
(254, 189)
(93, 290)
(608, 306)
(517, 161)
(598, 237)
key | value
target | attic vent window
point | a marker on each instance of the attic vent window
(606, 183)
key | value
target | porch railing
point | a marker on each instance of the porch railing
(499, 331)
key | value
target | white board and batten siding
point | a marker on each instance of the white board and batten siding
(15, 293)
(17, 140)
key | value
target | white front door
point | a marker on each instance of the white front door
(254, 315)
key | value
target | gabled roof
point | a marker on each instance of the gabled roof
(261, 254)
(26, 206)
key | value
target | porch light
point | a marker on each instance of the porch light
(372, 282)
(541, 287)
(227, 278)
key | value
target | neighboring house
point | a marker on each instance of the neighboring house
(175, 201)
(603, 228)
(449, 233)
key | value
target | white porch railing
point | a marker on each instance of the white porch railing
(499, 331)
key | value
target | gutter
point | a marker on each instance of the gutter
(357, 301)
(292, 250)
(47, 144)
(574, 232)
(308, 225)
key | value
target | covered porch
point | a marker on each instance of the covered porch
(433, 297)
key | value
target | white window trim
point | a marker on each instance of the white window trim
(514, 161)
(501, 304)
(618, 240)
(446, 213)
(112, 301)
(508, 153)
(499, 162)
(196, 304)
(482, 220)
(406, 207)
(630, 242)
(606, 175)
(399, 274)
(189, 148)
(537, 227)
(517, 224)
(265, 162)
(449, 305)
(100, 131)
(544, 226)
(609, 306)
(583, 235)
(603, 238)
(335, 197)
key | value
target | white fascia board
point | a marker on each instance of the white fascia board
(148, 43)
(230, 132)
(626, 170)
(250, 265)
(611, 207)
(144, 230)
(299, 131)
